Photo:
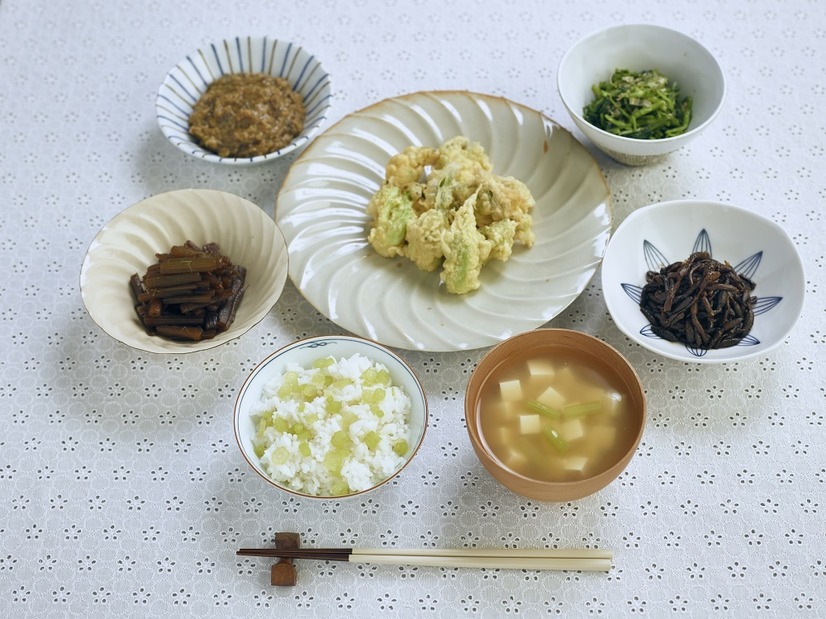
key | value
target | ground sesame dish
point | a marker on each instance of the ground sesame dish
(247, 115)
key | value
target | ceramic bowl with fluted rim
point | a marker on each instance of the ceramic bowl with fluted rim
(129, 242)
(304, 352)
(187, 81)
(639, 47)
(660, 234)
(556, 346)
(322, 210)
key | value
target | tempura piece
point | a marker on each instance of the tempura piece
(465, 250)
(408, 166)
(424, 239)
(500, 234)
(391, 209)
(457, 173)
(452, 185)
(461, 149)
(504, 197)
(444, 206)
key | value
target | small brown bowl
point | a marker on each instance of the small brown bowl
(556, 344)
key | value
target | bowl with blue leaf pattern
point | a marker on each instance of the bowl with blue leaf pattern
(188, 80)
(756, 247)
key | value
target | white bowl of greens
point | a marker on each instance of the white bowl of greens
(593, 81)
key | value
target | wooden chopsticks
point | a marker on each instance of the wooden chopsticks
(591, 560)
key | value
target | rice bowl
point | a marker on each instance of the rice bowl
(325, 430)
(352, 430)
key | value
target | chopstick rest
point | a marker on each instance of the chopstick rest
(283, 573)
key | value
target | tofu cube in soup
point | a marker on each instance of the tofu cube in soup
(529, 424)
(551, 397)
(571, 430)
(511, 390)
(575, 463)
(540, 367)
(515, 460)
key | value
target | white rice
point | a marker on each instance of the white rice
(364, 467)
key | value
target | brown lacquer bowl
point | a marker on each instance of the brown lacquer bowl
(592, 416)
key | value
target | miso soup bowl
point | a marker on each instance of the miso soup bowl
(555, 343)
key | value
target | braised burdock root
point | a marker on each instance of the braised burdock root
(700, 302)
(191, 293)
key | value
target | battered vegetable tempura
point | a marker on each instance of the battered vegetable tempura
(392, 210)
(458, 216)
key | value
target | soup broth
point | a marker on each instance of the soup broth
(555, 414)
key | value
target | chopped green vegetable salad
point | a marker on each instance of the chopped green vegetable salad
(640, 105)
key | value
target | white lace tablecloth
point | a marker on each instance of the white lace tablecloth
(122, 491)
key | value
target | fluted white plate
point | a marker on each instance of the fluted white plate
(128, 244)
(321, 210)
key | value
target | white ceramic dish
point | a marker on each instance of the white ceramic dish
(321, 210)
(304, 352)
(657, 235)
(639, 47)
(189, 79)
(128, 244)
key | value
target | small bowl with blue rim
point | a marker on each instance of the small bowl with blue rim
(656, 236)
(303, 353)
(188, 80)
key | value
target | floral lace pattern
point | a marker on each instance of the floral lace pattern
(121, 487)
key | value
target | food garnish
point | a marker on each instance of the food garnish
(700, 302)
(559, 443)
(445, 207)
(543, 409)
(247, 115)
(191, 293)
(643, 105)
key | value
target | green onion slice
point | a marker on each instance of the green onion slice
(557, 441)
(586, 408)
(543, 409)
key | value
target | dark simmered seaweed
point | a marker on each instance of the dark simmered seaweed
(700, 302)
(192, 293)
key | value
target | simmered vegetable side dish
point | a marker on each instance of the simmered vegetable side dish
(700, 302)
(642, 105)
(191, 293)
